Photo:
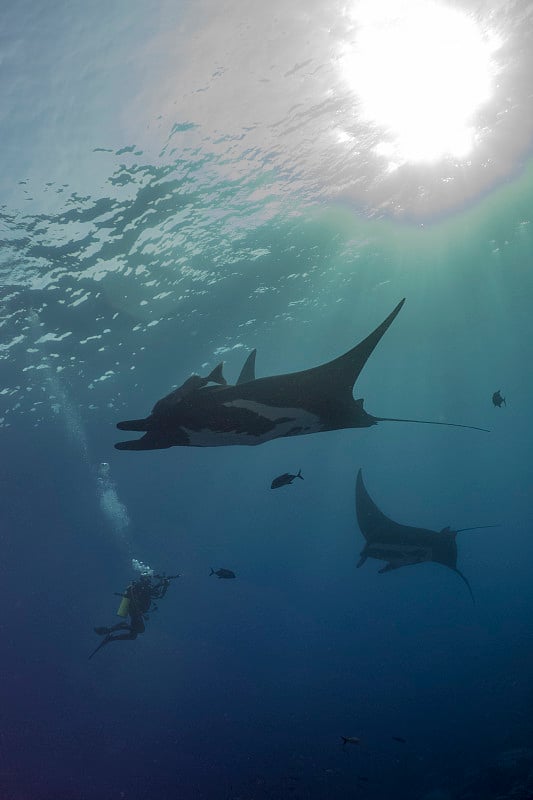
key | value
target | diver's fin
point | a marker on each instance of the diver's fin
(430, 422)
(104, 641)
(299, 475)
(247, 373)
(212, 571)
(216, 376)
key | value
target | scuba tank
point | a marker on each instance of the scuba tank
(124, 607)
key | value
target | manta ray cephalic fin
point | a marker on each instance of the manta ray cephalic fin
(247, 373)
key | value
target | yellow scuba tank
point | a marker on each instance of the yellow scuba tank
(124, 607)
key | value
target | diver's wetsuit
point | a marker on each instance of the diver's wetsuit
(140, 595)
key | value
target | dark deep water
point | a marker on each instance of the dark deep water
(126, 268)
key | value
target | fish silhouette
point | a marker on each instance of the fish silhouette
(286, 479)
(498, 400)
(223, 573)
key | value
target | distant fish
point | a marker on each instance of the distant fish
(498, 400)
(400, 739)
(285, 480)
(350, 740)
(223, 573)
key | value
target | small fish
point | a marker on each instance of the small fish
(350, 740)
(400, 739)
(223, 573)
(498, 400)
(285, 480)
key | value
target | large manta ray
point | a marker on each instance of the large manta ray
(254, 411)
(403, 545)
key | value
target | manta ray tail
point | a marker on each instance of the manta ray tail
(458, 571)
(477, 528)
(430, 422)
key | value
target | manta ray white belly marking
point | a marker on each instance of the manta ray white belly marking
(297, 416)
(291, 420)
(404, 553)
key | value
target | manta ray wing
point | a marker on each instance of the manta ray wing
(401, 545)
(333, 381)
(325, 390)
(378, 529)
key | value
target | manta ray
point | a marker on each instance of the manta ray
(403, 545)
(257, 410)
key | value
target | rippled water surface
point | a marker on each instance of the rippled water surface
(184, 183)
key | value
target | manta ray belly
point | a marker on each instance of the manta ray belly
(400, 554)
(251, 429)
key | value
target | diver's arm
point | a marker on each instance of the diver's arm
(160, 589)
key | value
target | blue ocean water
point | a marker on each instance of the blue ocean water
(176, 194)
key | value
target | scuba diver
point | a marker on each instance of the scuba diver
(137, 601)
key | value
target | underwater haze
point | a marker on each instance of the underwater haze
(185, 182)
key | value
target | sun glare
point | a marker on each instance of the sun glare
(420, 71)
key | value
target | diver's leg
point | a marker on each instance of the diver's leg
(120, 626)
(110, 638)
(122, 637)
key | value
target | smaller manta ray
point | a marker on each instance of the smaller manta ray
(350, 740)
(286, 479)
(498, 400)
(402, 545)
(223, 573)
